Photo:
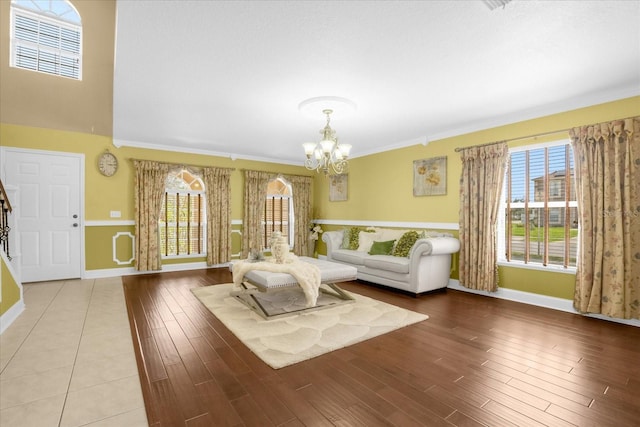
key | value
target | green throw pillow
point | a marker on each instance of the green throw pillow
(382, 248)
(405, 243)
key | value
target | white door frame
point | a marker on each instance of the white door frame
(81, 158)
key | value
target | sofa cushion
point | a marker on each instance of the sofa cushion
(406, 242)
(347, 255)
(387, 263)
(382, 248)
(390, 234)
(366, 239)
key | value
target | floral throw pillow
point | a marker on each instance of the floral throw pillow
(405, 243)
(354, 238)
(350, 238)
(346, 235)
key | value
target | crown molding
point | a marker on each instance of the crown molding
(516, 117)
(117, 142)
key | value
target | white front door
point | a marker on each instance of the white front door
(49, 212)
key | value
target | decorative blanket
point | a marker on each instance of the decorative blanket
(307, 275)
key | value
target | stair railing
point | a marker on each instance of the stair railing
(5, 210)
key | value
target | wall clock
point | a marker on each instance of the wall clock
(107, 164)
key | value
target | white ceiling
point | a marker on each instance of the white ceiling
(226, 77)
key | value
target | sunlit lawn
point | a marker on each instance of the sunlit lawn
(555, 233)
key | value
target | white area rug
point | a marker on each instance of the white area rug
(285, 341)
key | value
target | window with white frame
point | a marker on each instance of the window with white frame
(46, 36)
(538, 219)
(183, 219)
(278, 211)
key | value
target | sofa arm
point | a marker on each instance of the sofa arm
(333, 239)
(435, 246)
(430, 263)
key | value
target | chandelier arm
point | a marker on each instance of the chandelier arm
(339, 167)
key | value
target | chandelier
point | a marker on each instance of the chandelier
(327, 155)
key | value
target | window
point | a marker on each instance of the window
(46, 36)
(278, 211)
(539, 216)
(183, 218)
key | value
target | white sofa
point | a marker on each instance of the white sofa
(427, 267)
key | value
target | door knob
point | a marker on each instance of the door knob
(75, 224)
(75, 215)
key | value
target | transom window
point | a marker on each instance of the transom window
(278, 211)
(539, 212)
(183, 218)
(46, 36)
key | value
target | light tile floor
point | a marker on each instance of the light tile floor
(68, 359)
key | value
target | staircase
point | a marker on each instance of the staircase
(11, 292)
(5, 210)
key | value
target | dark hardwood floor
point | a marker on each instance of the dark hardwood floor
(476, 361)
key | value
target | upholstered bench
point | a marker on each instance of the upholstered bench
(257, 281)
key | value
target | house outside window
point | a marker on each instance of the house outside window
(46, 36)
(183, 219)
(278, 211)
(538, 219)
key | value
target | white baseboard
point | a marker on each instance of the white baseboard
(538, 300)
(10, 315)
(129, 271)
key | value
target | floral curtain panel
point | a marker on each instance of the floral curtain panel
(150, 178)
(302, 209)
(255, 193)
(607, 162)
(218, 188)
(483, 169)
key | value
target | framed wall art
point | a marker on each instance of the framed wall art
(430, 177)
(338, 187)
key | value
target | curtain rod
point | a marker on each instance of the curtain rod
(537, 134)
(278, 173)
(178, 164)
(513, 139)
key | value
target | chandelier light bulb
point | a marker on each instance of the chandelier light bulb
(345, 149)
(327, 155)
(309, 148)
(327, 146)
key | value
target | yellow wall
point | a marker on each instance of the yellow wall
(10, 290)
(99, 245)
(103, 195)
(380, 186)
(38, 111)
(555, 284)
(37, 99)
